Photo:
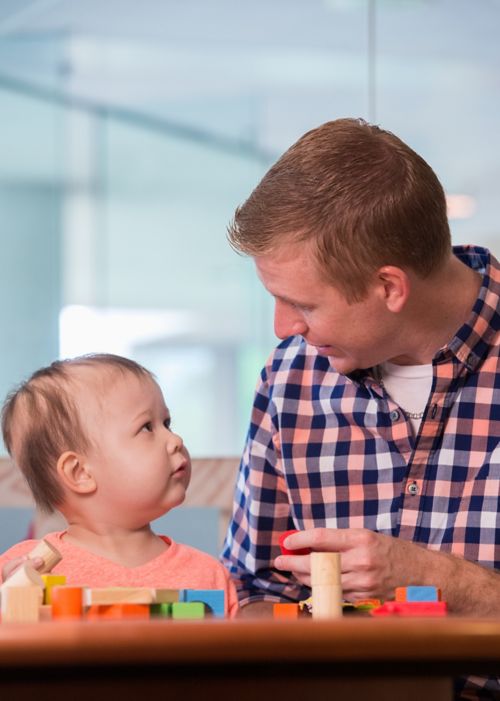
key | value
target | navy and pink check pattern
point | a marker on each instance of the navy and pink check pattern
(327, 450)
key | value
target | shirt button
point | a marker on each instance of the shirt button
(413, 489)
(395, 415)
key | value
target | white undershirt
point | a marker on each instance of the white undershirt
(409, 386)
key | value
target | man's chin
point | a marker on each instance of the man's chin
(342, 364)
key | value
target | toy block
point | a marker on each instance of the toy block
(286, 611)
(48, 553)
(183, 610)
(118, 595)
(118, 611)
(325, 585)
(45, 612)
(51, 581)
(286, 551)
(306, 605)
(166, 596)
(20, 604)
(67, 602)
(212, 598)
(24, 576)
(160, 610)
(411, 608)
(367, 604)
(413, 594)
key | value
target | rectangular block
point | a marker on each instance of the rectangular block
(45, 613)
(183, 610)
(212, 598)
(118, 611)
(411, 608)
(289, 611)
(21, 604)
(417, 593)
(51, 580)
(166, 596)
(118, 595)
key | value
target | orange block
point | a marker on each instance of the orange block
(67, 602)
(286, 611)
(114, 611)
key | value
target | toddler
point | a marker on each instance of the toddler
(93, 439)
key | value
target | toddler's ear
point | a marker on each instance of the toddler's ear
(74, 473)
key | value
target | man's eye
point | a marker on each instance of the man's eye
(148, 426)
(167, 423)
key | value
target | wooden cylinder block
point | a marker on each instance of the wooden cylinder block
(50, 556)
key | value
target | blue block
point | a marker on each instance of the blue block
(422, 594)
(213, 598)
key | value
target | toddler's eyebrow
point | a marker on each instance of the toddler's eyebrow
(144, 413)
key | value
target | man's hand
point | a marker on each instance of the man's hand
(373, 565)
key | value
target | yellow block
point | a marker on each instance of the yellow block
(52, 580)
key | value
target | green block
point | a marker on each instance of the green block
(160, 610)
(188, 610)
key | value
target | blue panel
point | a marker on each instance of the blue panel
(214, 598)
(197, 526)
(14, 525)
(422, 594)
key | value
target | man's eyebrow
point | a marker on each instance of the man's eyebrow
(294, 302)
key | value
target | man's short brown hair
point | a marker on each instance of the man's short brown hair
(360, 195)
(41, 420)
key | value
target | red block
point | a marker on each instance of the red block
(286, 551)
(417, 608)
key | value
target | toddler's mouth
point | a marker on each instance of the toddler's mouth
(181, 468)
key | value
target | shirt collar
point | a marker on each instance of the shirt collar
(474, 338)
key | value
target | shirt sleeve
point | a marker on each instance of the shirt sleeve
(261, 511)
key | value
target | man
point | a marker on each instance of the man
(375, 424)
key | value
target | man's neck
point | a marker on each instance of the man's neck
(438, 307)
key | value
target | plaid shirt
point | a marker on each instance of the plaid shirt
(329, 450)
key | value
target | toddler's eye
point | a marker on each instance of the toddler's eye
(148, 426)
(167, 423)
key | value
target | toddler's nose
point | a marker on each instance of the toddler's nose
(174, 443)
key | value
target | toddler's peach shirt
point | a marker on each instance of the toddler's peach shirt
(178, 567)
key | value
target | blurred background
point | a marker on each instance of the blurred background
(130, 131)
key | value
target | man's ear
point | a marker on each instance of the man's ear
(394, 286)
(74, 473)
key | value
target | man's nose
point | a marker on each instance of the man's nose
(288, 321)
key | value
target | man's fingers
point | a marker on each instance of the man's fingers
(298, 564)
(327, 539)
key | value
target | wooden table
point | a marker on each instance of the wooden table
(250, 660)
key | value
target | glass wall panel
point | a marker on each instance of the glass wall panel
(437, 67)
(128, 139)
